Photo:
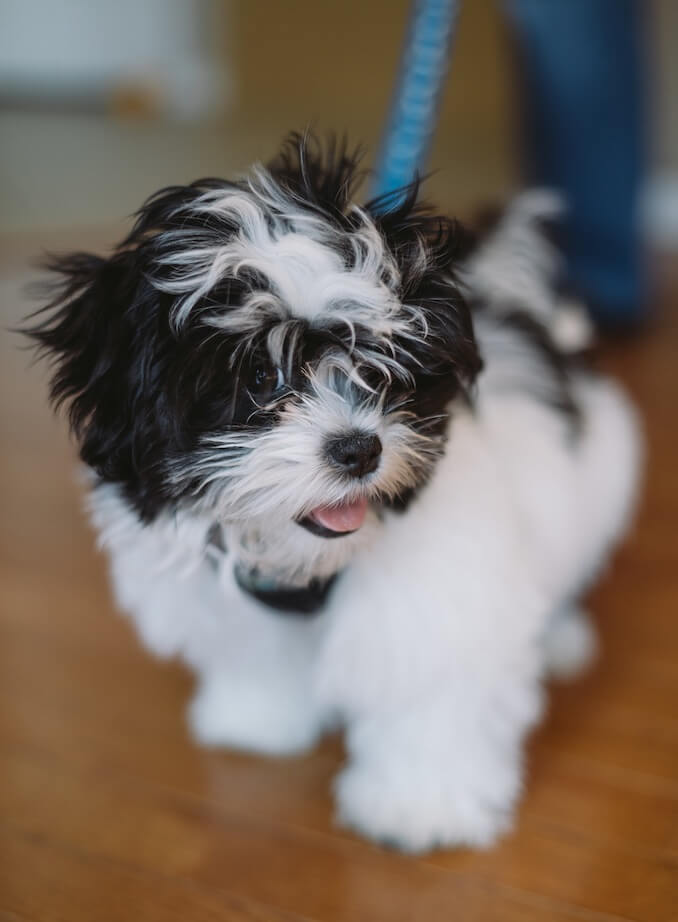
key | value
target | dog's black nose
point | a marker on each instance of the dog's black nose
(356, 454)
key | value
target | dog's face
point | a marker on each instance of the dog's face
(268, 354)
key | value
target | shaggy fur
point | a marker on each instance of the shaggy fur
(217, 366)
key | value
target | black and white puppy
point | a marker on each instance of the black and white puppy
(291, 402)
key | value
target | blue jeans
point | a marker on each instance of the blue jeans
(584, 97)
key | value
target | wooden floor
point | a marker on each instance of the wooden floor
(109, 812)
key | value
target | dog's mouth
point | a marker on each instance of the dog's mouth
(336, 521)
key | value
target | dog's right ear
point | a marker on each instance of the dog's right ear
(97, 340)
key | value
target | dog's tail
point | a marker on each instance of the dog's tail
(517, 266)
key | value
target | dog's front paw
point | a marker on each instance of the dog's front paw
(417, 814)
(251, 717)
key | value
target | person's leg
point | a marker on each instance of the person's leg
(583, 89)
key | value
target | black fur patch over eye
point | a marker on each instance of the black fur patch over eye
(265, 380)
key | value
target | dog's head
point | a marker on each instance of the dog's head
(266, 352)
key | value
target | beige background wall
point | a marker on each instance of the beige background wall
(336, 64)
(328, 62)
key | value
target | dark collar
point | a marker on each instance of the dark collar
(291, 600)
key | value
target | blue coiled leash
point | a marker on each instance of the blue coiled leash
(414, 107)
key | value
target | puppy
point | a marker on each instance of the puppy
(347, 468)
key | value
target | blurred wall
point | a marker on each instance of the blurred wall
(87, 52)
(331, 63)
(335, 63)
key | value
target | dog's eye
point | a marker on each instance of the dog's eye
(266, 380)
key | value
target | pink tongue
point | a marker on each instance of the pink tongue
(346, 517)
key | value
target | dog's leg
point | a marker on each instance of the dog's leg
(253, 666)
(432, 658)
(256, 694)
(444, 771)
(437, 703)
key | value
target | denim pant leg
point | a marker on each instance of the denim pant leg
(582, 62)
